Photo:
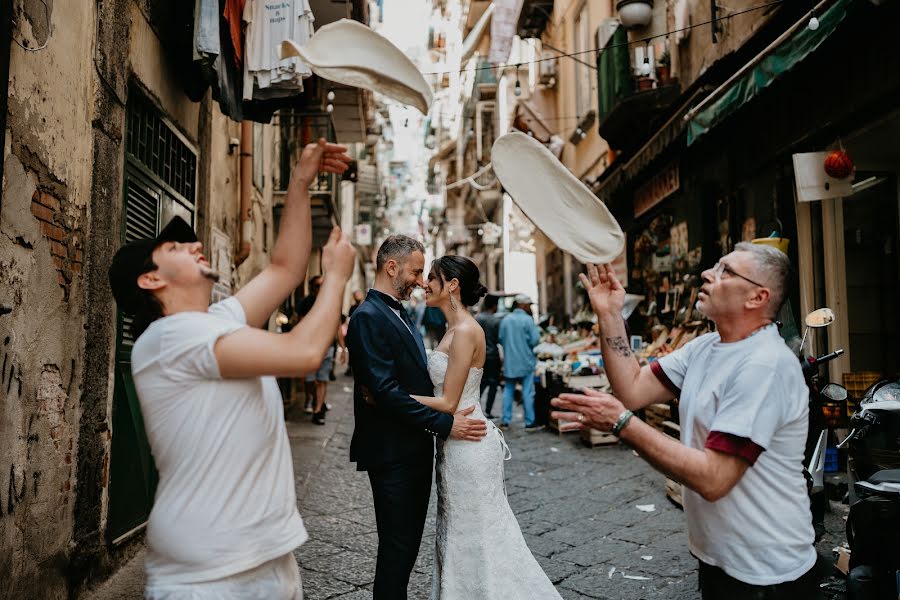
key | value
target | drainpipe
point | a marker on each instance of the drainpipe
(246, 174)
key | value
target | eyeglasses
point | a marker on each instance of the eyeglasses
(723, 268)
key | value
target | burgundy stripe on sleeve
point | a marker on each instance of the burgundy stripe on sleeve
(657, 370)
(734, 445)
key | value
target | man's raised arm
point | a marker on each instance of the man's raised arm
(264, 293)
(635, 386)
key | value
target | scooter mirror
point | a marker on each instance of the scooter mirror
(820, 318)
(835, 392)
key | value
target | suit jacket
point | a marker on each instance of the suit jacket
(388, 364)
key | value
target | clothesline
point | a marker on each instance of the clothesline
(644, 40)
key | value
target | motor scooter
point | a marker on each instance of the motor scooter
(826, 410)
(873, 469)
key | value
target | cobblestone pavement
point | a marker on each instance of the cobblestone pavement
(577, 507)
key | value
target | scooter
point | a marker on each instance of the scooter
(820, 398)
(873, 526)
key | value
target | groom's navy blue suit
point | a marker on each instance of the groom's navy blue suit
(394, 435)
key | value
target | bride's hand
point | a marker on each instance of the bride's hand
(464, 428)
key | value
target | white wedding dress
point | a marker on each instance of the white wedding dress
(479, 549)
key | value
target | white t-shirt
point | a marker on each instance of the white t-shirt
(225, 501)
(761, 532)
(269, 22)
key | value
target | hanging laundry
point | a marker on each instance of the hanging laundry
(206, 28)
(232, 12)
(503, 29)
(269, 22)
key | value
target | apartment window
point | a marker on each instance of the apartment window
(584, 80)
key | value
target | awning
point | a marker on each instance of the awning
(621, 172)
(798, 43)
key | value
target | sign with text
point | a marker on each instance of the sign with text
(363, 234)
(661, 186)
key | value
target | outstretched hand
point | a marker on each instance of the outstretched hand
(320, 156)
(464, 428)
(338, 256)
(606, 293)
(593, 408)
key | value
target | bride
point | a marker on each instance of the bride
(479, 548)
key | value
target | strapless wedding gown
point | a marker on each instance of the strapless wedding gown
(479, 549)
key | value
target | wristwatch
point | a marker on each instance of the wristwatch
(621, 422)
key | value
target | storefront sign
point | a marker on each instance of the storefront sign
(660, 187)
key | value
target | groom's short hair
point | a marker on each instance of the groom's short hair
(397, 247)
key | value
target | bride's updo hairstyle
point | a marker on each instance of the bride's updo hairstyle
(463, 270)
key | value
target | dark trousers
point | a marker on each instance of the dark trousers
(401, 495)
(716, 584)
(490, 380)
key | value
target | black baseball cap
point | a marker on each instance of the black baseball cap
(130, 262)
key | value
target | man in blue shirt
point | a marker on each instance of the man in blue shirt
(518, 336)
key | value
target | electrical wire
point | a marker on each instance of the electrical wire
(49, 31)
(643, 40)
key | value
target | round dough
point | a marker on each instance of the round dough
(350, 53)
(555, 200)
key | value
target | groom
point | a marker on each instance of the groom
(394, 435)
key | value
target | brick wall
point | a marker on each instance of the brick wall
(58, 228)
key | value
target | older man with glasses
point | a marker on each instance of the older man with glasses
(743, 414)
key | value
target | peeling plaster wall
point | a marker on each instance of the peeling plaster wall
(46, 191)
(60, 224)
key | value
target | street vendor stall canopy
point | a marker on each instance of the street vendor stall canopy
(780, 57)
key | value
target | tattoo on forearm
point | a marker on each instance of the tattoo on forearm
(619, 345)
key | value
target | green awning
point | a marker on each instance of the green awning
(781, 60)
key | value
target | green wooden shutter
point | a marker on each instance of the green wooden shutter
(615, 81)
(160, 171)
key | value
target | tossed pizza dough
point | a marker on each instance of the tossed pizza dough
(555, 200)
(350, 53)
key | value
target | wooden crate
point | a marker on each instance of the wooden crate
(672, 429)
(594, 437)
(562, 426)
(674, 492)
(657, 414)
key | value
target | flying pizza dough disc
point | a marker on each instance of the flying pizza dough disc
(350, 53)
(555, 200)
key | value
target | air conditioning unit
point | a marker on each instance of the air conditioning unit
(605, 31)
(547, 68)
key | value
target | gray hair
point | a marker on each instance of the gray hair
(772, 266)
(397, 247)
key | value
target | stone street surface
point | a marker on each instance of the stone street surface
(577, 507)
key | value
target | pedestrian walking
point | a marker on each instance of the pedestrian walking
(743, 413)
(490, 323)
(518, 337)
(224, 521)
(316, 382)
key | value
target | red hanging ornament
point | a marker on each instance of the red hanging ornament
(838, 164)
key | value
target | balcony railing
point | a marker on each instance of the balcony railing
(628, 105)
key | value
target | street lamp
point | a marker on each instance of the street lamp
(635, 14)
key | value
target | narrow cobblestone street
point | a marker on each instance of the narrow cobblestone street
(577, 507)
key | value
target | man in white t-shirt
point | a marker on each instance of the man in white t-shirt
(224, 521)
(743, 413)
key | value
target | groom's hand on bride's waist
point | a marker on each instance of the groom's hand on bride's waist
(464, 428)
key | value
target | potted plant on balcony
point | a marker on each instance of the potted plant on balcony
(662, 67)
